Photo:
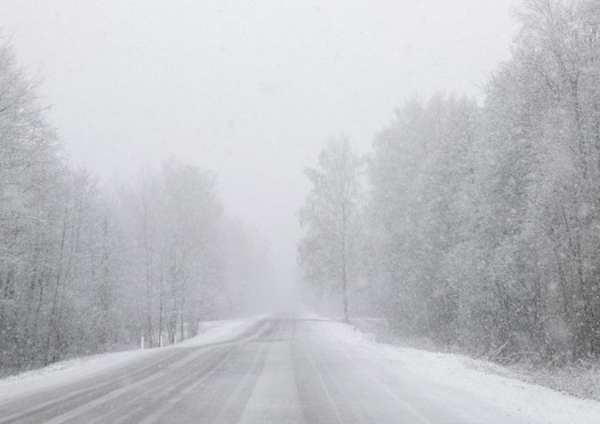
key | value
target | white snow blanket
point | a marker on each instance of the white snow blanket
(483, 380)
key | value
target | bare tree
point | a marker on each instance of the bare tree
(330, 217)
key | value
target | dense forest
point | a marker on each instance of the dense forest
(476, 224)
(88, 267)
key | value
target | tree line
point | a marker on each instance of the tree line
(476, 225)
(88, 267)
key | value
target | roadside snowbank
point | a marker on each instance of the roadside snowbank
(73, 370)
(581, 379)
(487, 381)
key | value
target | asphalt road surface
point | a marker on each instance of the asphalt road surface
(281, 371)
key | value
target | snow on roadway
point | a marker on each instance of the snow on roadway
(73, 370)
(525, 402)
(481, 379)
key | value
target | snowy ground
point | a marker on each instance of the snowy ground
(581, 379)
(305, 370)
(481, 379)
(66, 372)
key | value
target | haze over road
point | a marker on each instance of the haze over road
(280, 371)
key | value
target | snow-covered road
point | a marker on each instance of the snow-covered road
(283, 370)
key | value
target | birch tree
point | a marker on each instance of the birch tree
(327, 253)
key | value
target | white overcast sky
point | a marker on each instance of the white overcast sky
(250, 89)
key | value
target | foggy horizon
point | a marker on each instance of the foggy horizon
(250, 90)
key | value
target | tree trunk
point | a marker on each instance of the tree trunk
(345, 291)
